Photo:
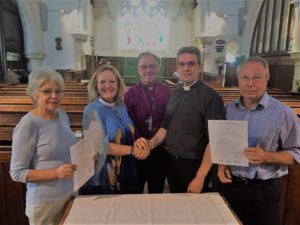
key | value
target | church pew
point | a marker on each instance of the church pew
(75, 116)
(12, 194)
(6, 133)
(16, 104)
(12, 118)
(23, 92)
(26, 108)
(77, 105)
(27, 101)
(24, 86)
(12, 198)
(67, 98)
(297, 111)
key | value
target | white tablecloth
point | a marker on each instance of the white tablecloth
(204, 209)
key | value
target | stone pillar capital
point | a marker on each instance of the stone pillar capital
(35, 59)
(296, 79)
(36, 55)
(296, 57)
(80, 37)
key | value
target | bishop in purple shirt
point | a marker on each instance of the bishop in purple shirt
(146, 103)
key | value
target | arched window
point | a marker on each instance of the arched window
(143, 25)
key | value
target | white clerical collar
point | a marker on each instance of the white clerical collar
(109, 104)
(188, 87)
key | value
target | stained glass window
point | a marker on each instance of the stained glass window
(143, 25)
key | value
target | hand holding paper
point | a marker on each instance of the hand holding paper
(82, 155)
(227, 141)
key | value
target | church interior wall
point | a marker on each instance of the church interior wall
(252, 11)
(101, 22)
(210, 20)
(219, 20)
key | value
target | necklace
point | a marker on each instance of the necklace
(149, 121)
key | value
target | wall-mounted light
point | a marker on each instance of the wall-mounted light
(65, 11)
(58, 45)
(220, 45)
(92, 41)
(61, 11)
(221, 15)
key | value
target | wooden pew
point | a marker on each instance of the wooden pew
(23, 93)
(14, 104)
(12, 194)
(27, 101)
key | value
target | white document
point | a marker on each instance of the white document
(227, 139)
(82, 155)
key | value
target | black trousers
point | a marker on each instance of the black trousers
(153, 170)
(255, 202)
(181, 172)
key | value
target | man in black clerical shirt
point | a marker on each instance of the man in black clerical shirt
(184, 129)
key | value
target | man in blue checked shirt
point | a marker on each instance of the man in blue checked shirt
(274, 143)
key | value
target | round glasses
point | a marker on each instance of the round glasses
(58, 92)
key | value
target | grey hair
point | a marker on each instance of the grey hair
(40, 75)
(144, 54)
(191, 50)
(93, 88)
(255, 59)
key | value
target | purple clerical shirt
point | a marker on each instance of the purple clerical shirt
(146, 107)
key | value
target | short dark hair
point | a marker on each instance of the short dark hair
(191, 50)
(255, 59)
(142, 54)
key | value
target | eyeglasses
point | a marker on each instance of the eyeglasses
(58, 92)
(189, 64)
(254, 79)
(151, 66)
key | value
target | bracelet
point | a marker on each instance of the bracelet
(131, 151)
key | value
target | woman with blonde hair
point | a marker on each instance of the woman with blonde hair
(118, 175)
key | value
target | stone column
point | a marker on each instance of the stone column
(30, 14)
(79, 39)
(295, 54)
(35, 60)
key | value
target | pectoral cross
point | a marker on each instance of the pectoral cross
(149, 121)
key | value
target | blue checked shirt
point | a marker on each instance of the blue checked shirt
(272, 126)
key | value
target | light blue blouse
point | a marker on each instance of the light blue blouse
(42, 144)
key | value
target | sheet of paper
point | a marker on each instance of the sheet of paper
(228, 139)
(82, 155)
